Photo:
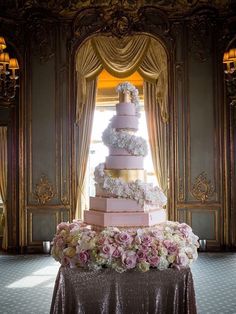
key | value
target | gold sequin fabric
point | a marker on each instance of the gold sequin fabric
(106, 291)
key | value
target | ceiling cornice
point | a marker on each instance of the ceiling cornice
(61, 9)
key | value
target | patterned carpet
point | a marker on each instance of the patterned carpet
(26, 283)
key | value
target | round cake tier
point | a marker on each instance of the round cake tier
(118, 151)
(124, 162)
(127, 175)
(125, 122)
(125, 109)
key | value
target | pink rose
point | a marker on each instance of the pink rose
(153, 260)
(129, 259)
(141, 255)
(158, 234)
(108, 250)
(146, 240)
(83, 257)
(117, 252)
(123, 238)
(171, 247)
(184, 229)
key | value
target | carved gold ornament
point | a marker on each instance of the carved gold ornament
(202, 188)
(65, 200)
(44, 191)
(181, 190)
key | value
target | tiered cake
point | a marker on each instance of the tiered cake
(123, 199)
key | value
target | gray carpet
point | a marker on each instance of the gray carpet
(26, 283)
(215, 283)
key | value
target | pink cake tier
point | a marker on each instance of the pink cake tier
(124, 162)
(124, 219)
(125, 122)
(125, 109)
(110, 204)
(118, 151)
(114, 205)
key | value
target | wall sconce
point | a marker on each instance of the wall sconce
(8, 77)
(229, 60)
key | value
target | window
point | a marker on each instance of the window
(104, 111)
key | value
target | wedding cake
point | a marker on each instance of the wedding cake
(125, 227)
(123, 198)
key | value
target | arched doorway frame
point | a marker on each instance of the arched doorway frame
(167, 44)
(14, 169)
(230, 143)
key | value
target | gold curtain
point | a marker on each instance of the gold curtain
(85, 129)
(3, 183)
(154, 69)
(121, 56)
(157, 131)
(88, 67)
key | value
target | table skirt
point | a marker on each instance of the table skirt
(105, 291)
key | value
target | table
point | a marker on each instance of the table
(132, 292)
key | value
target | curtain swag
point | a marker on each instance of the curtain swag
(122, 57)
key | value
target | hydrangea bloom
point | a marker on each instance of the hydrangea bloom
(135, 145)
(143, 193)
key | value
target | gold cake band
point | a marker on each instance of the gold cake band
(124, 96)
(127, 174)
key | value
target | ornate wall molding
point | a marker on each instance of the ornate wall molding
(68, 9)
(44, 191)
(181, 196)
(201, 25)
(120, 22)
(41, 30)
(202, 189)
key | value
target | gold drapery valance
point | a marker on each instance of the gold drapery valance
(121, 58)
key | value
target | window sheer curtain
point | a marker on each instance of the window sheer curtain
(122, 57)
(3, 183)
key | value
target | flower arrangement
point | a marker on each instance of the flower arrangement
(170, 244)
(127, 86)
(135, 145)
(143, 193)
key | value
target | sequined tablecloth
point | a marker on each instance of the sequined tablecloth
(132, 292)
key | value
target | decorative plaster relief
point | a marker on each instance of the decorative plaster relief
(44, 191)
(202, 188)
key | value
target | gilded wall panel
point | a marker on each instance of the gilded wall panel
(206, 224)
(202, 150)
(42, 222)
(42, 132)
(64, 124)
